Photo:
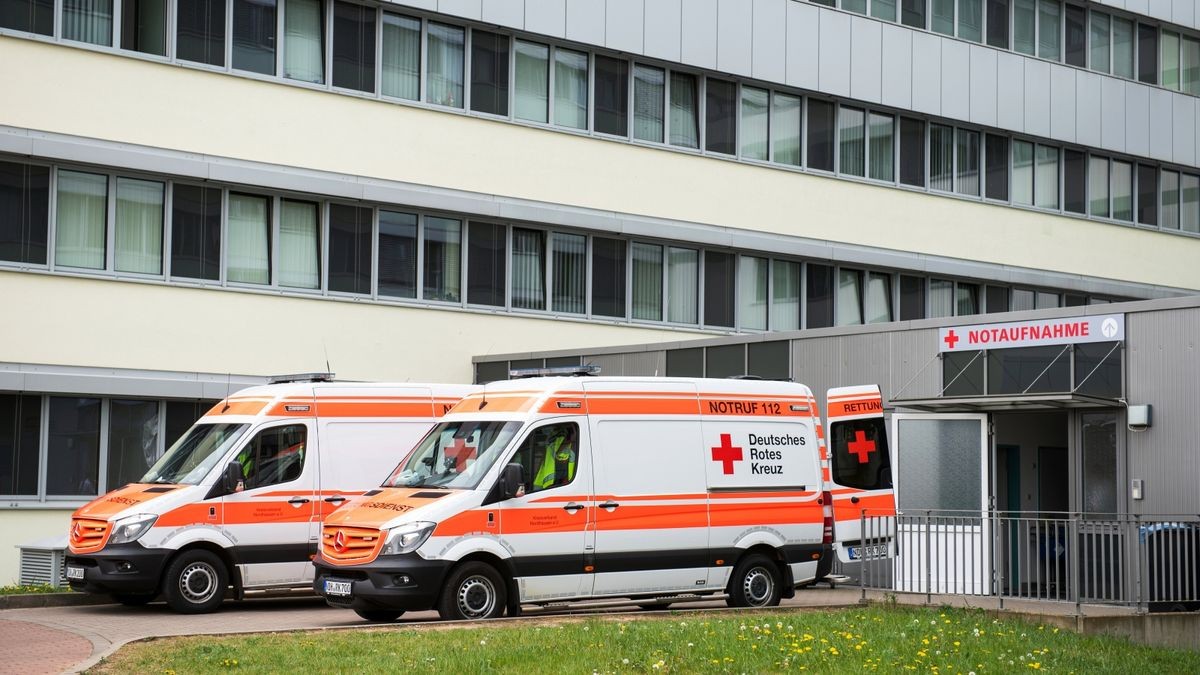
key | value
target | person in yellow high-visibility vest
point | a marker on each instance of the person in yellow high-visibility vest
(558, 466)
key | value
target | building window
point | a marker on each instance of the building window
(1022, 172)
(912, 298)
(486, 252)
(851, 145)
(1189, 206)
(970, 20)
(91, 21)
(1075, 36)
(200, 31)
(721, 116)
(1047, 300)
(31, 16)
(1189, 66)
(819, 296)
(941, 157)
(966, 299)
(683, 285)
(1101, 42)
(785, 132)
(570, 273)
(997, 23)
(1122, 47)
(1022, 300)
(1074, 181)
(1098, 186)
(350, 249)
(685, 362)
(304, 40)
(996, 298)
(756, 108)
(138, 231)
(249, 239)
(24, 212)
(942, 12)
(1170, 200)
(144, 26)
(1025, 26)
(1147, 195)
(685, 125)
(73, 447)
(1169, 43)
(753, 285)
(1147, 53)
(820, 134)
(570, 89)
(785, 295)
(20, 432)
(770, 360)
(649, 99)
(612, 96)
(443, 259)
(1046, 190)
(195, 232)
(489, 72)
(882, 158)
(941, 298)
(401, 62)
(1050, 29)
(254, 36)
(445, 61)
(996, 157)
(133, 444)
(1122, 191)
(877, 304)
(849, 298)
(80, 226)
(608, 277)
(719, 288)
(397, 254)
(300, 244)
(532, 91)
(647, 281)
(912, 13)
(529, 269)
(968, 162)
(353, 46)
(912, 152)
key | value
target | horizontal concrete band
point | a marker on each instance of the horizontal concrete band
(62, 147)
(59, 379)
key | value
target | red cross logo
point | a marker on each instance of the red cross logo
(461, 453)
(726, 453)
(339, 541)
(861, 446)
(951, 339)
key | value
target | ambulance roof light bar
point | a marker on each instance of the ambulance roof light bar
(301, 377)
(562, 371)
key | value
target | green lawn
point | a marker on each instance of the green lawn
(885, 639)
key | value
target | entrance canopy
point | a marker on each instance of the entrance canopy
(1001, 403)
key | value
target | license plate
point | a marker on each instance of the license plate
(75, 573)
(337, 587)
(867, 552)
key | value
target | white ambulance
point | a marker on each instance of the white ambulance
(239, 499)
(646, 491)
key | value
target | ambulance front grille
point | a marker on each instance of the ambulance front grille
(350, 544)
(88, 535)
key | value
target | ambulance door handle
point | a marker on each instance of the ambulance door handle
(572, 507)
(335, 500)
(609, 505)
(297, 501)
(854, 500)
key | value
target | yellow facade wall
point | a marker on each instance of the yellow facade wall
(24, 526)
(89, 94)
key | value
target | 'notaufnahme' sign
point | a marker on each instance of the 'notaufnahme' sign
(1106, 328)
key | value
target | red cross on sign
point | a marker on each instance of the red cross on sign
(726, 453)
(951, 339)
(460, 452)
(861, 446)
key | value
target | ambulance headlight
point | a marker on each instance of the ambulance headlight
(406, 538)
(131, 528)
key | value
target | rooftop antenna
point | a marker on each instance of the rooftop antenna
(228, 386)
(326, 348)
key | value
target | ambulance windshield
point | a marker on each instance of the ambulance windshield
(194, 454)
(454, 455)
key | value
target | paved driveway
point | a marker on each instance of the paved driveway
(56, 639)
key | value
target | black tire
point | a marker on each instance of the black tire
(755, 582)
(655, 607)
(475, 590)
(134, 599)
(195, 582)
(379, 615)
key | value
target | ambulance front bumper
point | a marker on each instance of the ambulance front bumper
(119, 568)
(405, 582)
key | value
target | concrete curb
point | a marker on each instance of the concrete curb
(69, 599)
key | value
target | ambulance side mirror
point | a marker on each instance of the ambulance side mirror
(512, 479)
(230, 477)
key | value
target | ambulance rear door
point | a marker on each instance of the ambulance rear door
(860, 467)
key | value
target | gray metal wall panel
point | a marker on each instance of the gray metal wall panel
(833, 68)
(646, 363)
(1183, 12)
(699, 41)
(1010, 91)
(865, 359)
(624, 21)
(509, 13)
(866, 60)
(735, 35)
(585, 21)
(926, 73)
(471, 9)
(956, 79)
(610, 364)
(430, 5)
(1037, 97)
(1138, 6)
(816, 362)
(1161, 9)
(1184, 139)
(914, 370)
(1162, 369)
(1062, 103)
(803, 45)
(1112, 122)
(1088, 109)
(1161, 127)
(1137, 118)
(769, 61)
(549, 17)
(897, 67)
(663, 20)
(983, 85)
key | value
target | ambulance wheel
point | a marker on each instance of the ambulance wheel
(133, 599)
(195, 582)
(379, 615)
(475, 591)
(755, 582)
